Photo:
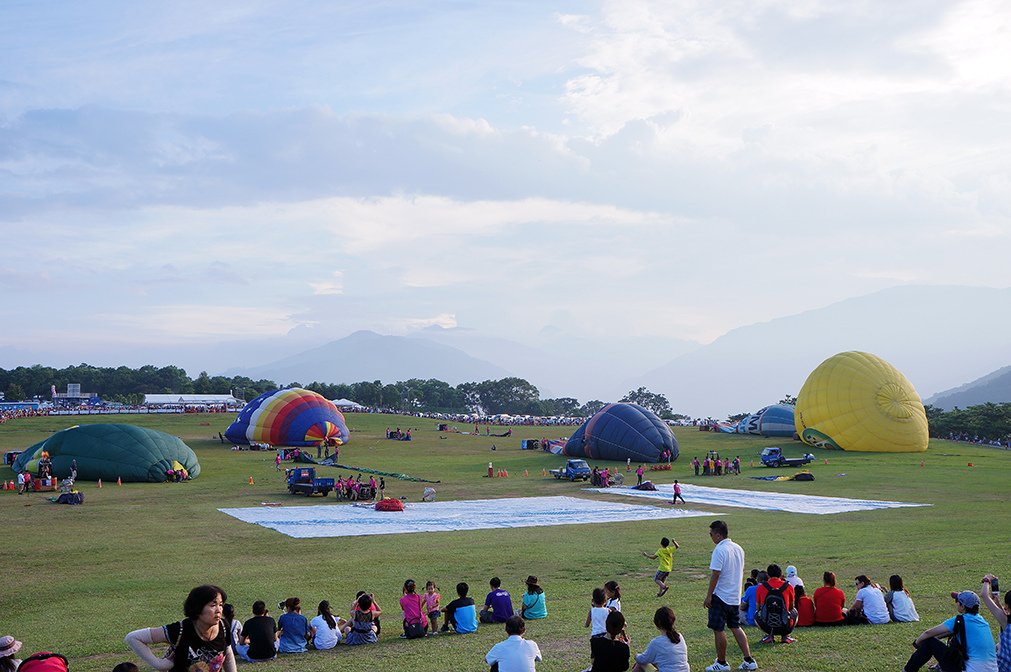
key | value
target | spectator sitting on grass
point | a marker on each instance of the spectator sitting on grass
(362, 628)
(977, 641)
(498, 605)
(515, 654)
(258, 638)
(668, 651)
(900, 604)
(295, 632)
(611, 653)
(533, 606)
(461, 613)
(868, 605)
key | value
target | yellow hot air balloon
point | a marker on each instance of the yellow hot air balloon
(857, 401)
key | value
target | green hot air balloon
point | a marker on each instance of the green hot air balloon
(111, 451)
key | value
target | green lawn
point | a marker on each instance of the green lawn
(79, 578)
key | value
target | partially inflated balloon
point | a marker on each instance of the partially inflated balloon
(857, 401)
(292, 417)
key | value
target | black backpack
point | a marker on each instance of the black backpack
(773, 611)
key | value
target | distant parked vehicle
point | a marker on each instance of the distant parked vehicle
(303, 481)
(573, 469)
(773, 457)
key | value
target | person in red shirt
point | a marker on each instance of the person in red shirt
(805, 608)
(777, 584)
(828, 603)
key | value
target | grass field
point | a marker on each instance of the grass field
(77, 579)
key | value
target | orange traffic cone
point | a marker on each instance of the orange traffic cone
(505, 472)
(119, 481)
(250, 480)
(544, 472)
(99, 483)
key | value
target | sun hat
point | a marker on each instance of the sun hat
(966, 598)
(791, 570)
(9, 646)
(531, 580)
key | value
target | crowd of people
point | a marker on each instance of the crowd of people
(211, 636)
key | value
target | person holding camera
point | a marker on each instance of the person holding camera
(991, 589)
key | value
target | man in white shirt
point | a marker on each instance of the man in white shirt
(515, 654)
(723, 599)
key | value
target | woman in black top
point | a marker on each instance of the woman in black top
(610, 653)
(200, 642)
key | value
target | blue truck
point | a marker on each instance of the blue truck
(773, 457)
(303, 481)
(573, 469)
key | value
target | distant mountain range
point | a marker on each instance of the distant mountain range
(937, 336)
(366, 355)
(994, 387)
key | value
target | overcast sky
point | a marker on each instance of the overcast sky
(194, 172)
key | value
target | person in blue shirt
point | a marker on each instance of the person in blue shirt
(749, 603)
(294, 627)
(979, 645)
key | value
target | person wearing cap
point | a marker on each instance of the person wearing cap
(8, 648)
(792, 578)
(533, 606)
(978, 641)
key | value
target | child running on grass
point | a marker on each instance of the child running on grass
(665, 556)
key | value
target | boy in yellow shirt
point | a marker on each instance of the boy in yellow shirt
(665, 556)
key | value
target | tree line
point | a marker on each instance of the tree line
(984, 422)
(123, 384)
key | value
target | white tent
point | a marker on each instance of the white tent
(346, 403)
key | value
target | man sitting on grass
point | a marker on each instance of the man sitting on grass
(498, 605)
(461, 612)
(515, 654)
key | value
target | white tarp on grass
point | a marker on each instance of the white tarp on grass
(347, 520)
(697, 495)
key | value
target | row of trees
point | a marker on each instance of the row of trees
(515, 396)
(986, 422)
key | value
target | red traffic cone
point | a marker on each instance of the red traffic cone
(970, 464)
(119, 481)
(99, 483)
(250, 480)
(505, 472)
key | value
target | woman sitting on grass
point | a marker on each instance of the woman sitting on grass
(295, 631)
(362, 628)
(829, 602)
(325, 627)
(611, 653)
(668, 652)
(413, 605)
(533, 606)
(900, 604)
(200, 640)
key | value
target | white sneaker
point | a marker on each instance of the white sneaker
(717, 666)
(745, 665)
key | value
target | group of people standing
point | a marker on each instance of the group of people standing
(713, 465)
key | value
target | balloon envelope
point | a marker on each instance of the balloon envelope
(857, 401)
(292, 417)
(776, 420)
(621, 432)
(111, 451)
